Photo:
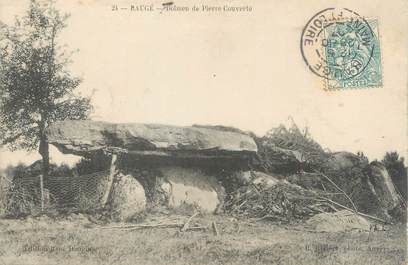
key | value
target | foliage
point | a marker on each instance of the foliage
(362, 156)
(99, 162)
(36, 88)
(23, 196)
(21, 171)
(398, 172)
(23, 199)
(64, 188)
(5, 184)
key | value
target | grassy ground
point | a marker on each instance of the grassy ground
(75, 240)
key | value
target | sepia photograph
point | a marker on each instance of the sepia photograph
(203, 132)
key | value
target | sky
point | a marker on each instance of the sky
(236, 69)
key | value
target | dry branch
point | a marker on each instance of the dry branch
(347, 208)
(187, 224)
(161, 225)
(284, 201)
(342, 191)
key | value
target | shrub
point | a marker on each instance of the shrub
(23, 192)
(397, 170)
(5, 184)
(99, 162)
(23, 196)
(22, 200)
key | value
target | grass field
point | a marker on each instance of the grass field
(76, 240)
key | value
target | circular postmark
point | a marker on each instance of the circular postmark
(337, 44)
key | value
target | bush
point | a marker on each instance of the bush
(23, 200)
(5, 185)
(23, 196)
(98, 163)
(23, 192)
(397, 170)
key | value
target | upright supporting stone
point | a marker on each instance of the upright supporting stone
(111, 179)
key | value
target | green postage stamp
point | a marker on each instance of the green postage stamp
(343, 48)
(353, 55)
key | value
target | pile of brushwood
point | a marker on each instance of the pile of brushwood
(292, 154)
(287, 150)
(283, 202)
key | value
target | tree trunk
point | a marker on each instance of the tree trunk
(45, 154)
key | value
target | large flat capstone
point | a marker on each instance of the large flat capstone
(84, 137)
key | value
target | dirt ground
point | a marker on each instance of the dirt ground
(75, 239)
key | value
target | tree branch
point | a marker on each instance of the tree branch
(337, 187)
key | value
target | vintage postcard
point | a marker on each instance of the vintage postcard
(203, 132)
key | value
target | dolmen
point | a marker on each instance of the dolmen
(153, 165)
